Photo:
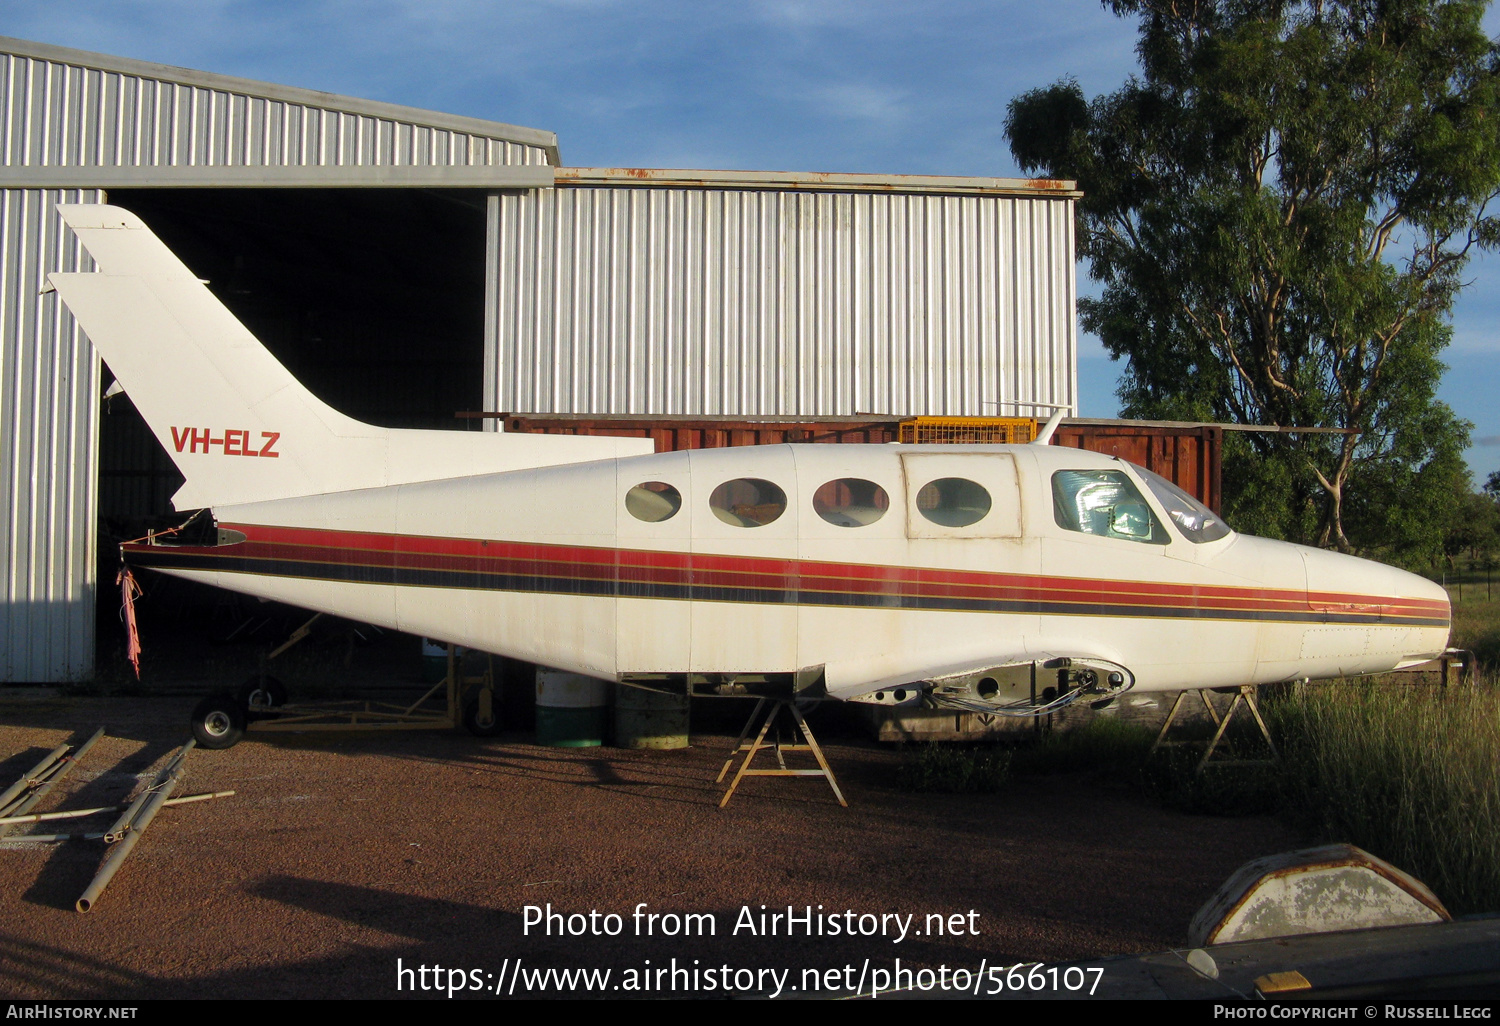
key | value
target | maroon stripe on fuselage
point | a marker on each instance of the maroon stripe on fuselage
(707, 570)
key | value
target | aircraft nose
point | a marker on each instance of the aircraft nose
(1335, 579)
(1405, 617)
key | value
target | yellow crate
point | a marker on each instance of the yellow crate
(968, 430)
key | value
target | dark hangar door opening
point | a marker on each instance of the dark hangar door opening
(373, 298)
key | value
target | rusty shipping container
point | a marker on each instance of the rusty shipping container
(1185, 453)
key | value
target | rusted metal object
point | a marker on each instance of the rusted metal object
(1187, 454)
(818, 181)
(673, 433)
(1316, 890)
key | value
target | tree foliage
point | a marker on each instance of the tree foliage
(1280, 207)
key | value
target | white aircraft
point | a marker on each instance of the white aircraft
(1006, 578)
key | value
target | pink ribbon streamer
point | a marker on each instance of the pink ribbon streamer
(128, 591)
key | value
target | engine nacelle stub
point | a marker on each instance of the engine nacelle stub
(1031, 688)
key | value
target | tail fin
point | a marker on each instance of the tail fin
(233, 419)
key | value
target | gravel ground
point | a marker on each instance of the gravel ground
(342, 853)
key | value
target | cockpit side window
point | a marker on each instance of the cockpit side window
(1196, 521)
(1104, 503)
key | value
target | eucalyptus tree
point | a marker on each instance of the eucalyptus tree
(1279, 208)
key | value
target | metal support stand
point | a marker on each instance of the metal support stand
(439, 708)
(297, 635)
(799, 724)
(1457, 666)
(1247, 696)
(24, 794)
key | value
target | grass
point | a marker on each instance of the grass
(1409, 773)
(955, 769)
(1476, 615)
(1105, 745)
(1114, 751)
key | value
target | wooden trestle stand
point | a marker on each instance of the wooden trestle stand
(750, 750)
(1246, 695)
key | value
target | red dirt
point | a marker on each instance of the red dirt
(342, 853)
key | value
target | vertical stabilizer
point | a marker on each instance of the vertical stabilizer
(233, 419)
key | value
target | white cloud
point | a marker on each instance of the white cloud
(1480, 338)
(862, 100)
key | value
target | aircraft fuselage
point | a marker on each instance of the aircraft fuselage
(861, 566)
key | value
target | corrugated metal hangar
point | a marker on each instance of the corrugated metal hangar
(407, 265)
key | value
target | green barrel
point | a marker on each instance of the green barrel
(434, 661)
(650, 719)
(572, 711)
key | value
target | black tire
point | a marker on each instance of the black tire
(472, 721)
(265, 692)
(219, 721)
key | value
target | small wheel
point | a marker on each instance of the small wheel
(262, 693)
(219, 721)
(481, 716)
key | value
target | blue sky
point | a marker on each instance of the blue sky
(834, 85)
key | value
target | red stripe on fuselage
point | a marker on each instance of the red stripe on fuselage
(464, 555)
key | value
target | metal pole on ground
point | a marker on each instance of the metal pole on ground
(44, 817)
(35, 775)
(135, 821)
(58, 771)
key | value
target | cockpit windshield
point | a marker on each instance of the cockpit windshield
(1196, 521)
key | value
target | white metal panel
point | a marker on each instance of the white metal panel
(49, 402)
(65, 108)
(68, 113)
(778, 302)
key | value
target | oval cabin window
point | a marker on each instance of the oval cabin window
(953, 502)
(747, 502)
(653, 501)
(851, 502)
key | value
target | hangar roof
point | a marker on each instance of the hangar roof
(817, 181)
(86, 120)
(289, 94)
(28, 166)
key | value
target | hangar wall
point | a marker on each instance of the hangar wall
(608, 291)
(701, 293)
(49, 402)
(67, 113)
